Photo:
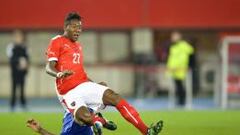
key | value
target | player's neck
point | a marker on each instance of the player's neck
(66, 36)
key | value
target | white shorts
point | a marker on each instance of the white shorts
(87, 94)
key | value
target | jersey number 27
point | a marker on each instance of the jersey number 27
(76, 58)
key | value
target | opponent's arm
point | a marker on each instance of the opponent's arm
(51, 70)
(35, 126)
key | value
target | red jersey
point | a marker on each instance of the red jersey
(69, 56)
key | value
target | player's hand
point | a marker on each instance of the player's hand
(64, 73)
(34, 125)
(103, 83)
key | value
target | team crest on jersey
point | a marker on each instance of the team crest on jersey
(67, 46)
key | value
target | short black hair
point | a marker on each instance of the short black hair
(72, 16)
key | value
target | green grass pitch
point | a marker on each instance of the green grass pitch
(175, 122)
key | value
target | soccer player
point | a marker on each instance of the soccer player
(75, 90)
(70, 127)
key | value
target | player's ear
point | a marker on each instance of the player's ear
(66, 27)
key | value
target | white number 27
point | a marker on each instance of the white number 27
(76, 58)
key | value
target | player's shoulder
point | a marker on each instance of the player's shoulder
(78, 43)
(56, 38)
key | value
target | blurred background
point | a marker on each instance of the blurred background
(127, 44)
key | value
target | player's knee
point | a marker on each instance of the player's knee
(111, 98)
(87, 120)
(83, 117)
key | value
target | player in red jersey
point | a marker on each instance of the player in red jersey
(75, 90)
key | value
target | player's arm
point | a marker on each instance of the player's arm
(51, 70)
(35, 126)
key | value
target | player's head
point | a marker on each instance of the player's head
(72, 26)
(18, 37)
(176, 36)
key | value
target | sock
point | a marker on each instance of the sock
(131, 115)
(99, 120)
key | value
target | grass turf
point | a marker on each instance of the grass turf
(175, 122)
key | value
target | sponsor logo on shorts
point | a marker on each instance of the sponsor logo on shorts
(73, 103)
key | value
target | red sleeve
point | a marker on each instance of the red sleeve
(53, 50)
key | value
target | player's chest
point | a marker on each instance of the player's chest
(70, 49)
(71, 53)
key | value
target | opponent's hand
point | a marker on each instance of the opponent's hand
(64, 73)
(103, 83)
(34, 125)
